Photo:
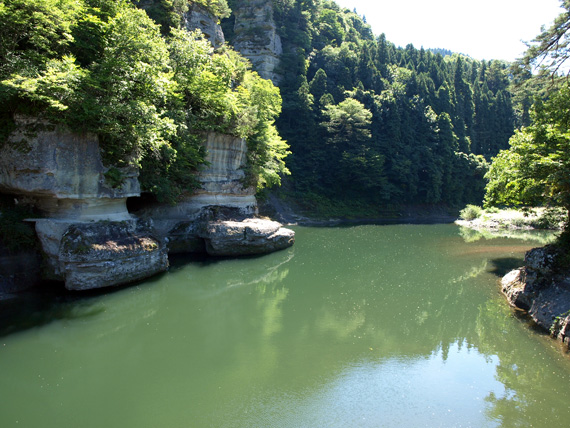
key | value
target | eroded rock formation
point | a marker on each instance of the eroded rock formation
(256, 37)
(62, 175)
(197, 17)
(541, 292)
(224, 204)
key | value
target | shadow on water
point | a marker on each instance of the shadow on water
(39, 307)
(502, 266)
(180, 261)
(51, 302)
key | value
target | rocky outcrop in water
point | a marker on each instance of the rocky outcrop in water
(103, 254)
(222, 195)
(209, 220)
(87, 235)
(256, 37)
(62, 175)
(247, 237)
(541, 291)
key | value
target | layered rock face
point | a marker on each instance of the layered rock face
(88, 237)
(62, 174)
(257, 38)
(207, 221)
(545, 296)
(222, 186)
(197, 17)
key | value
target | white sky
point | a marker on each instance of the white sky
(482, 29)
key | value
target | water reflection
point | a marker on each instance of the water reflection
(541, 237)
(533, 376)
(363, 326)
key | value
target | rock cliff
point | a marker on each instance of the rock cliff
(89, 238)
(256, 37)
(206, 221)
(62, 175)
(197, 17)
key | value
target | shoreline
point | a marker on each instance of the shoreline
(539, 289)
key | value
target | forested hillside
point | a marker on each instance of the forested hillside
(371, 122)
(366, 121)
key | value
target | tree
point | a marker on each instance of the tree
(551, 48)
(536, 167)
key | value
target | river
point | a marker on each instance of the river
(361, 326)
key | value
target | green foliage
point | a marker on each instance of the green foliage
(535, 169)
(471, 212)
(33, 32)
(103, 66)
(432, 124)
(218, 8)
(166, 13)
(551, 48)
(114, 177)
(551, 218)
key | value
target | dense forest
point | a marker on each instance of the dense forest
(381, 125)
(368, 124)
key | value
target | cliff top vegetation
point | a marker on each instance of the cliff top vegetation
(103, 67)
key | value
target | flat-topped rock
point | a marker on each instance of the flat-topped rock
(247, 237)
(104, 254)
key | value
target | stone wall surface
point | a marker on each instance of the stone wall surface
(257, 38)
(54, 162)
(198, 18)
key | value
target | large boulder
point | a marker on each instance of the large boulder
(540, 291)
(248, 237)
(96, 255)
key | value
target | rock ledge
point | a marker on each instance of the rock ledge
(543, 294)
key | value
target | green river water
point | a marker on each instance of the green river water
(362, 326)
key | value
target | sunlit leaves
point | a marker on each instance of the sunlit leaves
(102, 66)
(54, 88)
(535, 169)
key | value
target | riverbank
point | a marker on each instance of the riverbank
(493, 219)
(288, 211)
(540, 288)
